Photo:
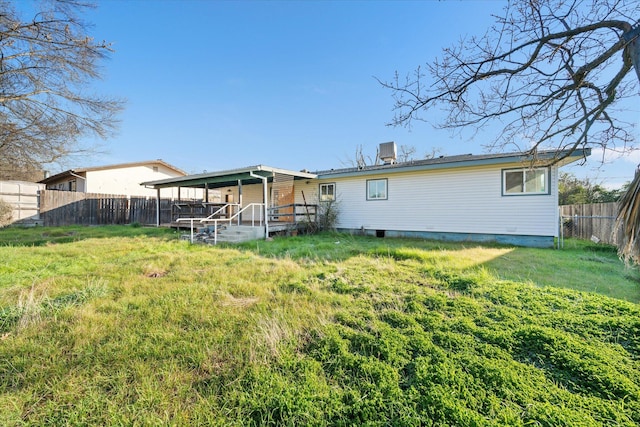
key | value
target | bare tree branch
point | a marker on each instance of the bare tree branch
(548, 73)
(47, 62)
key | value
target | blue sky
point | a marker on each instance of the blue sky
(214, 85)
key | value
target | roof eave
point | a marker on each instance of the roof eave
(542, 158)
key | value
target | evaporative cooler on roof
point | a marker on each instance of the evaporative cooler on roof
(388, 152)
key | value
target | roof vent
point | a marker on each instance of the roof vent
(388, 152)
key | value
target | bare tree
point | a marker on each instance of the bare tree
(46, 65)
(360, 159)
(406, 153)
(549, 73)
(435, 152)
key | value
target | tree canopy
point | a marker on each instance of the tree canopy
(47, 64)
(573, 190)
(548, 75)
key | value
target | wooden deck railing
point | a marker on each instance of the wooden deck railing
(294, 213)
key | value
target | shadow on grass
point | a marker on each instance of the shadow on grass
(580, 265)
(340, 247)
(40, 236)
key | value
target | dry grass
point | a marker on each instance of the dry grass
(141, 331)
(30, 308)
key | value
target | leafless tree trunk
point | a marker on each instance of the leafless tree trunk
(47, 63)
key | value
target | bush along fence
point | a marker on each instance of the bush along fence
(596, 222)
(59, 208)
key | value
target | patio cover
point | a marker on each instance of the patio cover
(243, 176)
(227, 178)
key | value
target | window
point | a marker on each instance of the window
(377, 189)
(155, 169)
(525, 181)
(327, 192)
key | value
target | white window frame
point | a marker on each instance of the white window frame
(524, 181)
(377, 195)
(325, 196)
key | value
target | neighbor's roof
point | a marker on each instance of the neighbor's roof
(466, 160)
(72, 172)
(227, 178)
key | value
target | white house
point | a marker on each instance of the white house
(121, 179)
(507, 198)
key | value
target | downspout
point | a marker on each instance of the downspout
(158, 208)
(264, 199)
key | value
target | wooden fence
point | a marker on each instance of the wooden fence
(591, 221)
(59, 208)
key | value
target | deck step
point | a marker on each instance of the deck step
(227, 234)
(240, 233)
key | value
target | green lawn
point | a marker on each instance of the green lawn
(130, 326)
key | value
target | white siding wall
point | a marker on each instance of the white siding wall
(464, 200)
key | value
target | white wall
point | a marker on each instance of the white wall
(126, 181)
(24, 198)
(462, 200)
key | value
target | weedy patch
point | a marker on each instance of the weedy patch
(34, 305)
(228, 300)
(309, 331)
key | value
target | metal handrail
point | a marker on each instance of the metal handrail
(220, 210)
(237, 215)
(192, 219)
(216, 221)
(232, 217)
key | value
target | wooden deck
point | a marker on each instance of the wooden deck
(291, 217)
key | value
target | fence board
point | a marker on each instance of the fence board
(589, 220)
(59, 208)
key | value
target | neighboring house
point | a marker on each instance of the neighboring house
(508, 198)
(120, 179)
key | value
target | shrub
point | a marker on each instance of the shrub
(6, 213)
(328, 215)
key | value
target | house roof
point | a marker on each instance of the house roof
(227, 178)
(73, 172)
(540, 158)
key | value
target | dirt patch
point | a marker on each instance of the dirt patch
(155, 274)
